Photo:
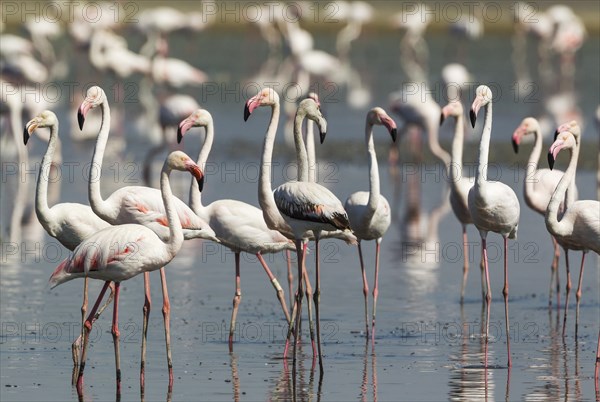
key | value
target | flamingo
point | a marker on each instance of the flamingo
(539, 185)
(579, 226)
(369, 212)
(296, 208)
(137, 204)
(460, 185)
(69, 223)
(121, 252)
(493, 205)
(240, 226)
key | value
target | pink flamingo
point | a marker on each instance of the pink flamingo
(121, 252)
(539, 185)
(296, 209)
(137, 204)
(369, 212)
(238, 225)
(69, 223)
(493, 205)
(579, 226)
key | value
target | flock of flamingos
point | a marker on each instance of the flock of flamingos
(139, 229)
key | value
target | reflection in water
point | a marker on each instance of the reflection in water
(364, 386)
(235, 378)
(299, 388)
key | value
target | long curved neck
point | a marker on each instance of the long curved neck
(456, 171)
(175, 240)
(373, 175)
(98, 205)
(42, 209)
(301, 155)
(484, 147)
(532, 163)
(195, 194)
(559, 194)
(434, 144)
(310, 151)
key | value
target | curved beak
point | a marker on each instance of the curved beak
(82, 112)
(390, 124)
(443, 115)
(251, 104)
(183, 127)
(553, 152)
(516, 138)
(474, 110)
(196, 172)
(322, 123)
(30, 127)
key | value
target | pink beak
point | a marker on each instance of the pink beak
(475, 109)
(252, 104)
(553, 152)
(82, 112)
(390, 124)
(184, 126)
(196, 172)
(516, 138)
(444, 115)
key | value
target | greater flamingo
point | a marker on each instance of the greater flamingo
(296, 209)
(538, 187)
(136, 204)
(238, 225)
(579, 225)
(369, 212)
(121, 252)
(69, 223)
(493, 205)
(576, 227)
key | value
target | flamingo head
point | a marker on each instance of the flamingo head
(483, 96)
(309, 108)
(93, 98)
(529, 125)
(266, 97)
(44, 119)
(564, 140)
(572, 126)
(378, 116)
(314, 96)
(178, 160)
(453, 109)
(200, 118)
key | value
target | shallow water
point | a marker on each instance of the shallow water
(428, 346)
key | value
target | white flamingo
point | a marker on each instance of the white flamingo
(493, 205)
(121, 252)
(136, 204)
(296, 209)
(369, 212)
(238, 225)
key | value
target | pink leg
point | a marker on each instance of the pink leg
(466, 264)
(488, 296)
(483, 280)
(567, 295)
(553, 268)
(505, 294)
(365, 289)
(293, 316)
(237, 298)
(299, 295)
(597, 368)
(317, 299)
(86, 337)
(375, 287)
(276, 285)
(288, 258)
(146, 312)
(77, 345)
(309, 301)
(166, 310)
(579, 290)
(115, 334)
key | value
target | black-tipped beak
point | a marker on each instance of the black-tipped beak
(247, 112)
(550, 160)
(555, 135)
(394, 134)
(25, 136)
(442, 118)
(80, 119)
(179, 135)
(515, 146)
(201, 183)
(473, 116)
(323, 134)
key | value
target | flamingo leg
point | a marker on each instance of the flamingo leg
(466, 264)
(146, 312)
(484, 284)
(293, 316)
(375, 287)
(288, 258)
(597, 367)
(76, 345)
(579, 292)
(553, 269)
(116, 335)
(488, 296)
(299, 295)
(237, 298)
(365, 289)
(309, 301)
(505, 294)
(276, 285)
(317, 297)
(166, 310)
(86, 337)
(567, 295)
